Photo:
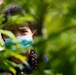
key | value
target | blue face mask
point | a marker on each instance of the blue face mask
(26, 41)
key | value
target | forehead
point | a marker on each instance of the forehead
(15, 27)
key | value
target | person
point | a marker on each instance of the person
(24, 32)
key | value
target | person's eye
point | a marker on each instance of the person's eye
(23, 31)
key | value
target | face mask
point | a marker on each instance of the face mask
(26, 41)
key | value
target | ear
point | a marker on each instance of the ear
(34, 33)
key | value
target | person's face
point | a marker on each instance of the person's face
(20, 31)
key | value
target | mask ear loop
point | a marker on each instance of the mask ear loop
(34, 33)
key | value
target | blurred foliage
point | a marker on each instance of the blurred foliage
(56, 20)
